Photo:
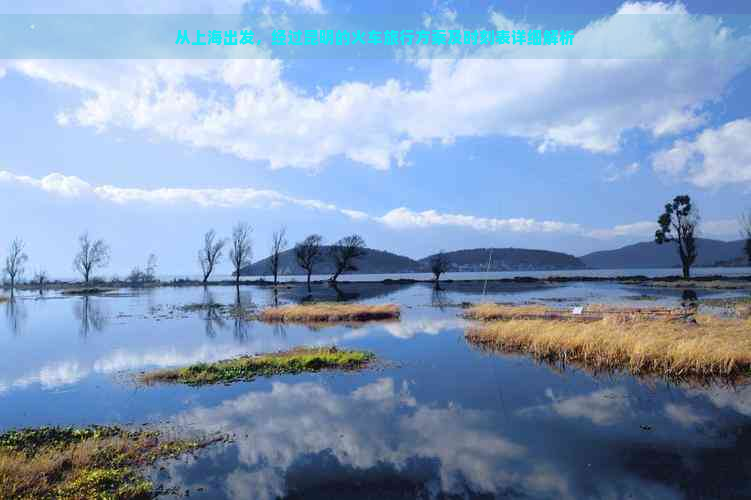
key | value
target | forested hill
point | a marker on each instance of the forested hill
(374, 262)
(508, 259)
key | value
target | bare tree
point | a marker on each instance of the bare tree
(147, 275)
(91, 255)
(14, 262)
(241, 252)
(344, 253)
(439, 264)
(151, 266)
(40, 278)
(309, 252)
(678, 223)
(211, 254)
(278, 245)
(746, 230)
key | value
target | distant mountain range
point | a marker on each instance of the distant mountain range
(507, 259)
(639, 255)
(651, 255)
(381, 262)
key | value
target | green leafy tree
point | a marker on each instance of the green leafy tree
(678, 224)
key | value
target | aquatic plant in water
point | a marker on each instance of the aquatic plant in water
(82, 463)
(248, 367)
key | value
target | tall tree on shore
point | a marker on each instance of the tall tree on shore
(278, 245)
(678, 224)
(746, 230)
(91, 255)
(439, 264)
(308, 253)
(14, 262)
(241, 252)
(344, 254)
(210, 254)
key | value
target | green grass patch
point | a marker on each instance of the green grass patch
(265, 365)
(82, 463)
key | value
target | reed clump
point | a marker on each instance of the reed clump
(249, 367)
(718, 284)
(82, 463)
(590, 312)
(743, 310)
(327, 312)
(706, 346)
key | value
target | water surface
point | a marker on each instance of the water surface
(436, 419)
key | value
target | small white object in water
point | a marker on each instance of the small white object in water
(577, 310)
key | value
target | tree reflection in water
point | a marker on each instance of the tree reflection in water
(213, 319)
(241, 326)
(90, 315)
(15, 315)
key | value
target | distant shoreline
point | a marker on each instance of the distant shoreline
(667, 281)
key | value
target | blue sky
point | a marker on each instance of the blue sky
(416, 154)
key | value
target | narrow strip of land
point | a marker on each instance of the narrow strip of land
(590, 312)
(327, 312)
(249, 367)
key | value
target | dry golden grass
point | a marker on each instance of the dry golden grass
(713, 347)
(707, 285)
(327, 312)
(489, 312)
(591, 312)
(81, 464)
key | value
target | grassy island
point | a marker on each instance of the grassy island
(327, 312)
(82, 463)
(248, 367)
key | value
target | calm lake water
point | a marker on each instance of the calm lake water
(436, 419)
(603, 273)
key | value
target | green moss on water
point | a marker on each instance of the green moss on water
(106, 484)
(249, 367)
(82, 463)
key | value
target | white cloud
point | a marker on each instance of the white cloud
(723, 227)
(604, 407)
(74, 187)
(355, 214)
(254, 114)
(637, 229)
(613, 174)
(53, 375)
(311, 5)
(404, 218)
(147, 6)
(684, 415)
(716, 157)
(379, 423)
(401, 218)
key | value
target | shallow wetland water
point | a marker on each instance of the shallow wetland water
(434, 418)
